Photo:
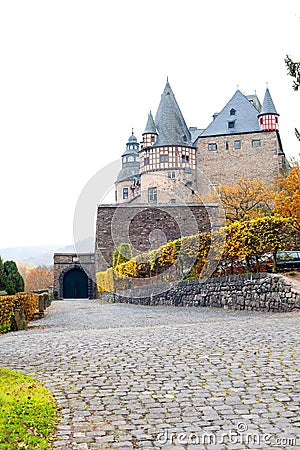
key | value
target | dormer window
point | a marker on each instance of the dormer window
(231, 124)
(232, 112)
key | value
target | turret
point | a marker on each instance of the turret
(150, 133)
(268, 116)
(128, 180)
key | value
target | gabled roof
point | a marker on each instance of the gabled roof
(239, 111)
(150, 126)
(268, 106)
(169, 121)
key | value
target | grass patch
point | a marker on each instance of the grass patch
(28, 413)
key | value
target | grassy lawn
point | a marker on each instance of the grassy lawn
(28, 413)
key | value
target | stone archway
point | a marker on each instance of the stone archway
(75, 284)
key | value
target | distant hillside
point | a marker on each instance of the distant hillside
(39, 256)
(43, 255)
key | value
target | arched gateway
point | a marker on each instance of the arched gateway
(74, 275)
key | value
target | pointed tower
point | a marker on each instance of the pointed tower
(128, 179)
(170, 124)
(167, 157)
(268, 116)
(150, 133)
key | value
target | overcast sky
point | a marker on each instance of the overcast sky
(76, 76)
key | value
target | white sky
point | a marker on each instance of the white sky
(77, 75)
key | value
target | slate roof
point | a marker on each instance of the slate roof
(129, 173)
(150, 126)
(268, 106)
(195, 133)
(131, 151)
(245, 118)
(169, 121)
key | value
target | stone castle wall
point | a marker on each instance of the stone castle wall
(147, 227)
(258, 292)
(226, 166)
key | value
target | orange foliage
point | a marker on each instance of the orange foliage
(39, 278)
(248, 199)
(287, 201)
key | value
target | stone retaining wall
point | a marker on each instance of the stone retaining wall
(258, 292)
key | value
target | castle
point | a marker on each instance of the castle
(241, 141)
(164, 178)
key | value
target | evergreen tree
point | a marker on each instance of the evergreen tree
(2, 276)
(294, 71)
(14, 281)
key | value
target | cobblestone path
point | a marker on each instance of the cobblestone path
(135, 377)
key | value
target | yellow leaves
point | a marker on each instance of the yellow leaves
(249, 198)
(287, 200)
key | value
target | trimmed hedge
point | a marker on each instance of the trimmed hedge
(27, 301)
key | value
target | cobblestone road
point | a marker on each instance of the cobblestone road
(135, 377)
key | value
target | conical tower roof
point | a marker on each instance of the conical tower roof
(150, 126)
(268, 106)
(169, 121)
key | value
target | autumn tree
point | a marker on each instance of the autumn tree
(249, 198)
(287, 200)
(122, 254)
(39, 278)
(24, 268)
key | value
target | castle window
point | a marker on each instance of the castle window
(231, 124)
(163, 158)
(116, 196)
(232, 112)
(237, 145)
(255, 142)
(125, 193)
(152, 195)
(227, 145)
(130, 158)
(146, 161)
(261, 120)
(171, 174)
(185, 158)
(212, 147)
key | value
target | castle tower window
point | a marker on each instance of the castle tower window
(185, 158)
(152, 195)
(231, 124)
(237, 145)
(171, 175)
(212, 147)
(164, 158)
(227, 145)
(232, 112)
(125, 193)
(256, 142)
(146, 161)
